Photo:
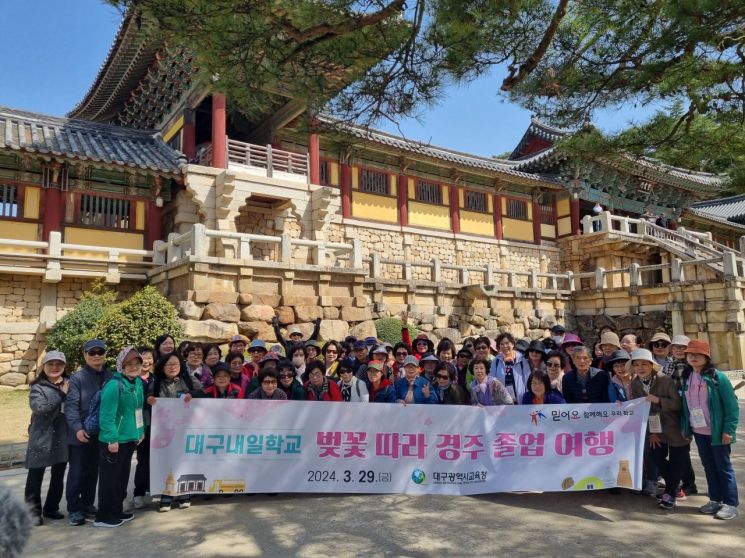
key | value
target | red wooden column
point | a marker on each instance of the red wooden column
(153, 224)
(574, 214)
(314, 158)
(454, 209)
(536, 222)
(219, 132)
(497, 203)
(346, 190)
(189, 137)
(403, 200)
(53, 211)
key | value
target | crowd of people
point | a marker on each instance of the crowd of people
(91, 422)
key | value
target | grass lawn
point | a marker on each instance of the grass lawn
(15, 416)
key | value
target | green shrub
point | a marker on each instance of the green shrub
(79, 325)
(138, 321)
(389, 329)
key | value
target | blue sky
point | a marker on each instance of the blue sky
(54, 48)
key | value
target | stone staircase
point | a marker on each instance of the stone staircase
(683, 244)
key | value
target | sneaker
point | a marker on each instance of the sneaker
(128, 505)
(727, 512)
(54, 515)
(667, 502)
(127, 517)
(681, 495)
(650, 488)
(111, 523)
(90, 512)
(139, 502)
(77, 518)
(710, 508)
(690, 490)
(184, 505)
(164, 507)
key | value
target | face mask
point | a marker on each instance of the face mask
(298, 361)
(558, 339)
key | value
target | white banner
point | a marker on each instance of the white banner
(227, 446)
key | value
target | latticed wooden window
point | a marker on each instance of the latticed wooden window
(429, 192)
(517, 209)
(325, 173)
(374, 182)
(475, 201)
(8, 200)
(100, 211)
(548, 216)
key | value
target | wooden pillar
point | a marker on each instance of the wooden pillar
(153, 224)
(497, 202)
(219, 132)
(314, 156)
(346, 190)
(53, 211)
(189, 137)
(574, 213)
(536, 222)
(454, 209)
(403, 200)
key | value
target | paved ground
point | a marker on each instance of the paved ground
(571, 524)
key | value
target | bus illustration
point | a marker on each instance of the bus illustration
(227, 485)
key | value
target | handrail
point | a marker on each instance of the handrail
(267, 157)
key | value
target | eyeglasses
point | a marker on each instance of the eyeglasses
(96, 353)
(402, 353)
(660, 344)
(172, 365)
(285, 376)
(441, 377)
(269, 382)
(553, 365)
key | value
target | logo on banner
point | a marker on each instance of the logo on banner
(535, 415)
(418, 476)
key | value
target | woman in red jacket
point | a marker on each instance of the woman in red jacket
(320, 387)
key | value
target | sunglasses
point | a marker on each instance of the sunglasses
(441, 377)
(345, 371)
(402, 353)
(285, 376)
(553, 364)
(269, 382)
(660, 344)
(96, 352)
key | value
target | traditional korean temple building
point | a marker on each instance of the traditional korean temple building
(376, 180)
(97, 184)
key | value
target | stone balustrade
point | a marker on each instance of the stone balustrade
(55, 260)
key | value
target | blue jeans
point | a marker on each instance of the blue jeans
(720, 475)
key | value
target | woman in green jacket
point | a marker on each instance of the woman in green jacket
(712, 413)
(121, 428)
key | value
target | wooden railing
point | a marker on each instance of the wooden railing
(267, 157)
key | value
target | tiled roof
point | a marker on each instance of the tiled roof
(440, 153)
(732, 207)
(132, 52)
(715, 218)
(87, 141)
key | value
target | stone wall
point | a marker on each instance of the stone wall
(28, 307)
(713, 311)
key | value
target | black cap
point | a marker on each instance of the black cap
(220, 367)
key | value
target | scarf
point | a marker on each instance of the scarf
(320, 392)
(346, 391)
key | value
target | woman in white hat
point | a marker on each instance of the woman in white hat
(47, 436)
(665, 443)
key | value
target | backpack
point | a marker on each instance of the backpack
(91, 423)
